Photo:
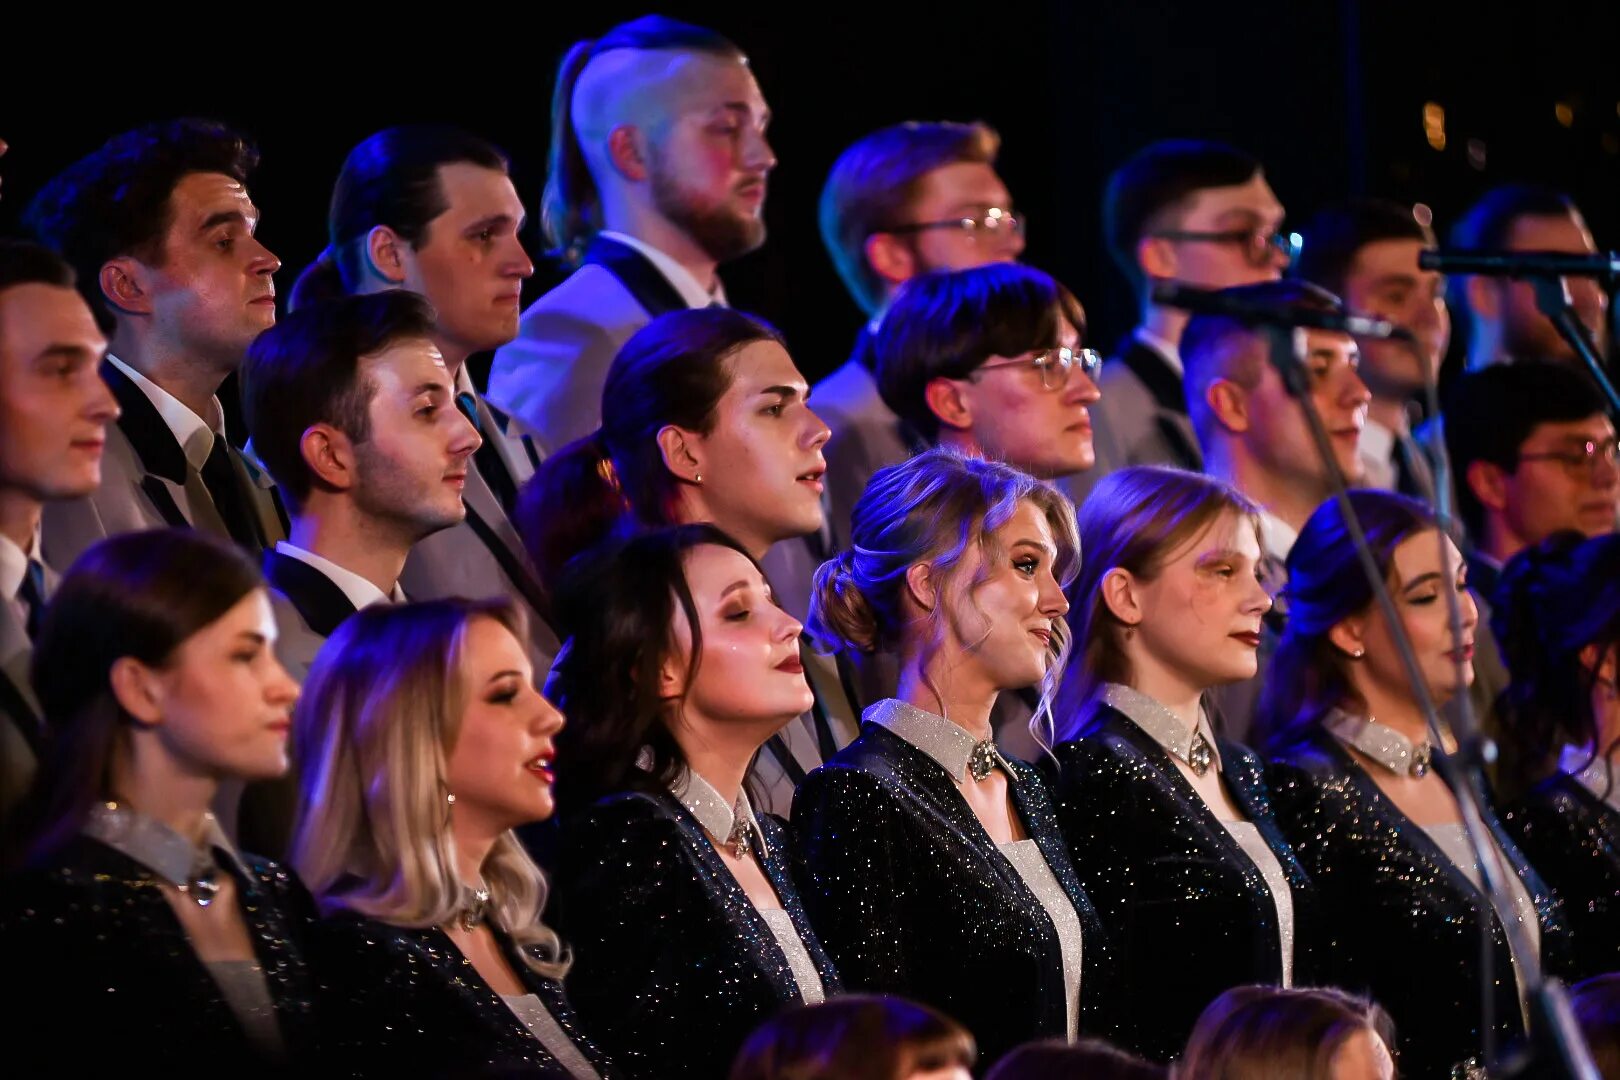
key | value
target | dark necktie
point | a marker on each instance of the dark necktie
(32, 594)
(225, 489)
(487, 458)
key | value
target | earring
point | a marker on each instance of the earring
(1130, 631)
(697, 478)
(1358, 654)
(450, 798)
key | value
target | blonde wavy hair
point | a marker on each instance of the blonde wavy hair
(372, 735)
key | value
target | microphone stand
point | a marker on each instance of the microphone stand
(1557, 1048)
(1553, 300)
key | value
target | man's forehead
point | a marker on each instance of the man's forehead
(1253, 197)
(411, 360)
(202, 194)
(472, 189)
(645, 86)
(1596, 426)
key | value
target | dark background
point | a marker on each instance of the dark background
(1329, 93)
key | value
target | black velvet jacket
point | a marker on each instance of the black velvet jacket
(673, 964)
(401, 1002)
(912, 897)
(1399, 921)
(1188, 910)
(1572, 838)
(103, 978)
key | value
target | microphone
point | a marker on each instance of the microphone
(1521, 263)
(1220, 302)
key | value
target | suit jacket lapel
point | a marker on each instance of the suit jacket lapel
(649, 287)
(317, 597)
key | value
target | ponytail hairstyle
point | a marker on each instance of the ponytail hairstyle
(1554, 600)
(931, 509)
(1136, 519)
(1309, 676)
(571, 205)
(673, 371)
(392, 179)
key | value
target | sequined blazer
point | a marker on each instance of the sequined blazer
(673, 964)
(400, 1002)
(1573, 839)
(1188, 910)
(103, 978)
(1399, 921)
(912, 897)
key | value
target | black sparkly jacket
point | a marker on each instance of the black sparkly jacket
(1400, 922)
(912, 897)
(102, 977)
(673, 964)
(399, 1002)
(1572, 838)
(1189, 912)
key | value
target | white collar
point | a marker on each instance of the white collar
(1168, 350)
(1276, 535)
(14, 564)
(361, 593)
(1382, 743)
(1377, 441)
(1591, 771)
(192, 432)
(1160, 724)
(703, 802)
(156, 846)
(946, 741)
(691, 290)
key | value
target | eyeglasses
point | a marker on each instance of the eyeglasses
(1054, 365)
(1260, 248)
(993, 224)
(1583, 463)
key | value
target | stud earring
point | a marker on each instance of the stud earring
(450, 798)
(697, 478)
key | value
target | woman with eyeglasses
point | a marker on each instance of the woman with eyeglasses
(1404, 914)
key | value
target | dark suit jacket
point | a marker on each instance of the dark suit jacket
(22, 725)
(1140, 420)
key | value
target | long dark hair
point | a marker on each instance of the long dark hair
(674, 371)
(1555, 599)
(618, 605)
(139, 595)
(392, 179)
(1308, 675)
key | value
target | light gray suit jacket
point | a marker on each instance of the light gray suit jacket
(866, 436)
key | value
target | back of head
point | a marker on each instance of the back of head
(946, 323)
(138, 595)
(1148, 191)
(617, 605)
(1054, 1059)
(1490, 413)
(571, 207)
(1554, 600)
(673, 371)
(23, 262)
(115, 201)
(1135, 519)
(1219, 346)
(392, 179)
(855, 1037)
(1596, 1005)
(305, 370)
(1331, 240)
(1260, 1032)
(1308, 675)
(873, 183)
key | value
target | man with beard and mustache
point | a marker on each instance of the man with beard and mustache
(160, 229)
(658, 169)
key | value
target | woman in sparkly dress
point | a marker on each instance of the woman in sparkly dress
(676, 895)
(935, 869)
(422, 743)
(1403, 909)
(134, 932)
(1169, 826)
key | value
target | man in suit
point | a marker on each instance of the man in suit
(1500, 315)
(352, 409)
(467, 261)
(54, 413)
(900, 202)
(659, 163)
(160, 228)
(1366, 251)
(1193, 212)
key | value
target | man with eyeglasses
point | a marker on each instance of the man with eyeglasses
(903, 201)
(1193, 212)
(1533, 453)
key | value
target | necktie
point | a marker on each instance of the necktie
(224, 490)
(32, 594)
(487, 458)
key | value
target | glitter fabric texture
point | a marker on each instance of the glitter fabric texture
(912, 897)
(1572, 838)
(111, 977)
(673, 964)
(1401, 921)
(398, 1001)
(1189, 911)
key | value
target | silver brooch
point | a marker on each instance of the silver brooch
(1422, 758)
(1200, 754)
(737, 840)
(473, 913)
(983, 759)
(202, 884)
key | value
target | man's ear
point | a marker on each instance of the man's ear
(1157, 258)
(683, 452)
(1229, 404)
(385, 252)
(1489, 483)
(626, 153)
(948, 401)
(890, 258)
(328, 453)
(124, 283)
